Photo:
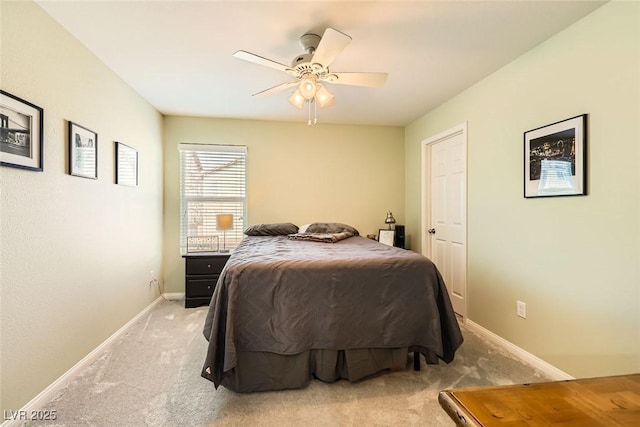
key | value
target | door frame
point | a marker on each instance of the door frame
(425, 183)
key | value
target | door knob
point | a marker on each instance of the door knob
(431, 231)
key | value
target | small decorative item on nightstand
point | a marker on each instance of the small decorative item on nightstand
(399, 240)
(389, 220)
(202, 244)
(386, 237)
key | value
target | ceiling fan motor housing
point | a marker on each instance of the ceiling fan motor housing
(302, 64)
(301, 59)
(310, 42)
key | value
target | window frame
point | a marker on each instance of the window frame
(185, 200)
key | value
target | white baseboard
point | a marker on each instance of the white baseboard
(536, 362)
(48, 393)
(174, 296)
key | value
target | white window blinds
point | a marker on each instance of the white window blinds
(212, 182)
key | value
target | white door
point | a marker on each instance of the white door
(444, 210)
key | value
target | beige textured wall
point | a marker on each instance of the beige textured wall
(75, 253)
(574, 260)
(295, 173)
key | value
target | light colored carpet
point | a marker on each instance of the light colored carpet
(151, 377)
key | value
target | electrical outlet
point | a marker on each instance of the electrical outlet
(153, 280)
(521, 309)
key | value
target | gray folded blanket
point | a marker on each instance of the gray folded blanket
(321, 237)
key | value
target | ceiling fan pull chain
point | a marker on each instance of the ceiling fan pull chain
(309, 114)
(315, 111)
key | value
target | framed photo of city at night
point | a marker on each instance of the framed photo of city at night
(555, 159)
(21, 130)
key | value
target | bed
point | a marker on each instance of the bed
(288, 310)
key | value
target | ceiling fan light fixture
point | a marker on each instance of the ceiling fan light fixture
(297, 99)
(307, 88)
(324, 97)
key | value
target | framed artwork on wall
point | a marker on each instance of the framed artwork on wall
(83, 152)
(386, 237)
(126, 165)
(555, 159)
(21, 130)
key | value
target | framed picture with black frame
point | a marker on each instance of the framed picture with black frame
(83, 152)
(126, 165)
(386, 237)
(555, 159)
(21, 133)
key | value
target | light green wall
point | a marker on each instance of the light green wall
(75, 253)
(295, 173)
(575, 261)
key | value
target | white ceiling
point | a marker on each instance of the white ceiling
(178, 54)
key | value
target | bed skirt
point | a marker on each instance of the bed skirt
(261, 371)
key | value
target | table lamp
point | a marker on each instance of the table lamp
(390, 220)
(224, 222)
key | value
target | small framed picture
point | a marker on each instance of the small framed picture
(386, 237)
(202, 244)
(126, 165)
(83, 152)
(21, 129)
(555, 159)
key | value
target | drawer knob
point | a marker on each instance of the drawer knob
(208, 265)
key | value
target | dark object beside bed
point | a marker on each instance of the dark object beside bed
(285, 311)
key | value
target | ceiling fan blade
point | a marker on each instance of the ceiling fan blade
(247, 56)
(331, 44)
(357, 79)
(277, 89)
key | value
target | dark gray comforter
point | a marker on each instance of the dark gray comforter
(287, 297)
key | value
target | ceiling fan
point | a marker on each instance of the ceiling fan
(311, 69)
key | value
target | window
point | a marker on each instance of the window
(212, 182)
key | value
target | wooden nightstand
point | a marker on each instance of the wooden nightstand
(201, 275)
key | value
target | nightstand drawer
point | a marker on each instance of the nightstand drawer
(201, 287)
(208, 266)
